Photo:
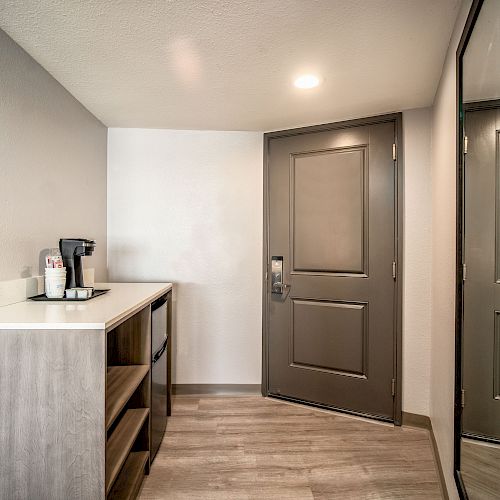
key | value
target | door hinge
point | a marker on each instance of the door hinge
(463, 398)
(393, 269)
(466, 144)
(394, 151)
(393, 387)
(266, 276)
(464, 272)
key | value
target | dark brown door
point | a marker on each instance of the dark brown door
(332, 212)
(481, 335)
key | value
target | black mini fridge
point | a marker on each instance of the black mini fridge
(159, 371)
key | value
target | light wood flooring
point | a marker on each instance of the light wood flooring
(480, 464)
(257, 448)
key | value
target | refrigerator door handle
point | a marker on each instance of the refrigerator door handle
(160, 351)
(159, 302)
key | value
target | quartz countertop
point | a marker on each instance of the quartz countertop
(99, 313)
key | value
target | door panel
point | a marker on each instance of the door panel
(332, 218)
(481, 328)
(328, 208)
(329, 336)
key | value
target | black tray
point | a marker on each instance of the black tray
(43, 298)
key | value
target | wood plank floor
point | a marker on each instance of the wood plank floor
(480, 464)
(257, 448)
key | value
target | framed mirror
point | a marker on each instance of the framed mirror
(477, 395)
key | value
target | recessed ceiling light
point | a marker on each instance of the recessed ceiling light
(306, 82)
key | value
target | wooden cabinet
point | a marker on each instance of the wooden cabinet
(75, 401)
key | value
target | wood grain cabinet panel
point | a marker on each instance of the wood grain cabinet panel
(52, 435)
(75, 411)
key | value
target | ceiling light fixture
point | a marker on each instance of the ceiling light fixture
(306, 82)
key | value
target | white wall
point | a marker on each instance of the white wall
(417, 260)
(186, 206)
(52, 167)
(443, 256)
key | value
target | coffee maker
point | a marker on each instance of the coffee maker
(72, 251)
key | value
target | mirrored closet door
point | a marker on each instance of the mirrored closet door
(477, 454)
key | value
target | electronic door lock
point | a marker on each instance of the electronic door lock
(277, 285)
(276, 274)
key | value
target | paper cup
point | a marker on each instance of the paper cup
(56, 271)
(55, 285)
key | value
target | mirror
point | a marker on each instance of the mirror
(477, 454)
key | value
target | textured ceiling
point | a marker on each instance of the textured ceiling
(229, 64)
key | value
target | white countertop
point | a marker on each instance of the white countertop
(99, 313)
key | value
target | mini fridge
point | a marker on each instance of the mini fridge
(159, 372)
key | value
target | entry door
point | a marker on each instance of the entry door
(331, 333)
(481, 332)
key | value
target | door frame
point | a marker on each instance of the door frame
(397, 119)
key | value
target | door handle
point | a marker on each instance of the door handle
(281, 287)
(160, 351)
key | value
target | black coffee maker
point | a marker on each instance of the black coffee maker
(72, 251)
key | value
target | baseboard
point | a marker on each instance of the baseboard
(216, 389)
(416, 420)
(424, 422)
(444, 490)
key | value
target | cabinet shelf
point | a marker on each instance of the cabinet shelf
(129, 481)
(121, 383)
(121, 441)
